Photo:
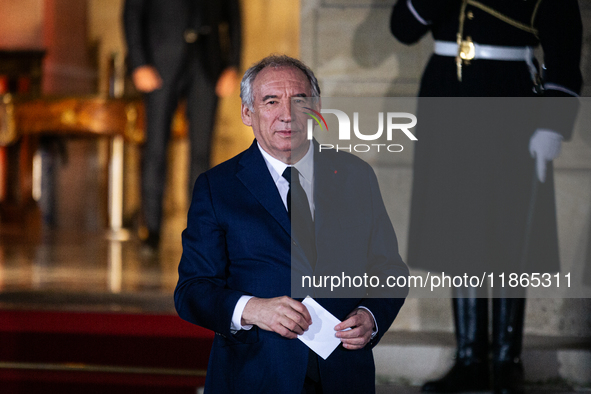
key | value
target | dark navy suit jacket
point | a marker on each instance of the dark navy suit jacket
(238, 242)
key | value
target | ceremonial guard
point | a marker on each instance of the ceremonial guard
(483, 194)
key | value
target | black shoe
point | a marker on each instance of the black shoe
(463, 376)
(508, 377)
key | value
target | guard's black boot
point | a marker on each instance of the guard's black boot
(471, 369)
(508, 315)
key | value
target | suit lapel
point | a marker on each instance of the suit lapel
(255, 176)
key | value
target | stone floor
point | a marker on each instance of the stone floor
(36, 260)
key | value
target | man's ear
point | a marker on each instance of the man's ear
(246, 114)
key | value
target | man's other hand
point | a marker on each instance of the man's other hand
(283, 315)
(146, 79)
(227, 82)
(362, 325)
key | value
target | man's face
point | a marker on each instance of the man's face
(271, 121)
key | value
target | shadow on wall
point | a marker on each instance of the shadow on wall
(367, 51)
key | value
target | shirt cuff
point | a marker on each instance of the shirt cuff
(375, 323)
(237, 315)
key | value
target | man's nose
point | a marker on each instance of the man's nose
(285, 115)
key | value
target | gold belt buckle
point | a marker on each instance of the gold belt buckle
(467, 49)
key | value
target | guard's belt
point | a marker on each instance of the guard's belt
(490, 52)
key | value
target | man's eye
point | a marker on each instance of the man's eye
(271, 102)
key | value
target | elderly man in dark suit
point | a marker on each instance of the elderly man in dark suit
(176, 48)
(239, 250)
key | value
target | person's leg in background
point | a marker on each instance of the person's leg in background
(470, 371)
(201, 111)
(507, 342)
(160, 106)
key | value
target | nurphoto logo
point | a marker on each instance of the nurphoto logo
(396, 122)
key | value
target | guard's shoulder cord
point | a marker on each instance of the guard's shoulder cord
(528, 28)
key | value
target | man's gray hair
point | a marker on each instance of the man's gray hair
(275, 61)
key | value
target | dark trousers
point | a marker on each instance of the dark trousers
(199, 89)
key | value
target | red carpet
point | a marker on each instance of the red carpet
(69, 352)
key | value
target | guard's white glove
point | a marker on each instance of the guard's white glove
(544, 146)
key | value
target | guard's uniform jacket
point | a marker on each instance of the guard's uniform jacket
(472, 188)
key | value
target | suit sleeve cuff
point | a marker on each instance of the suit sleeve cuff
(237, 315)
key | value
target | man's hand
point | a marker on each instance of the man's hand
(362, 325)
(227, 82)
(283, 315)
(146, 79)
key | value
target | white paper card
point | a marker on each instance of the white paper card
(320, 336)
